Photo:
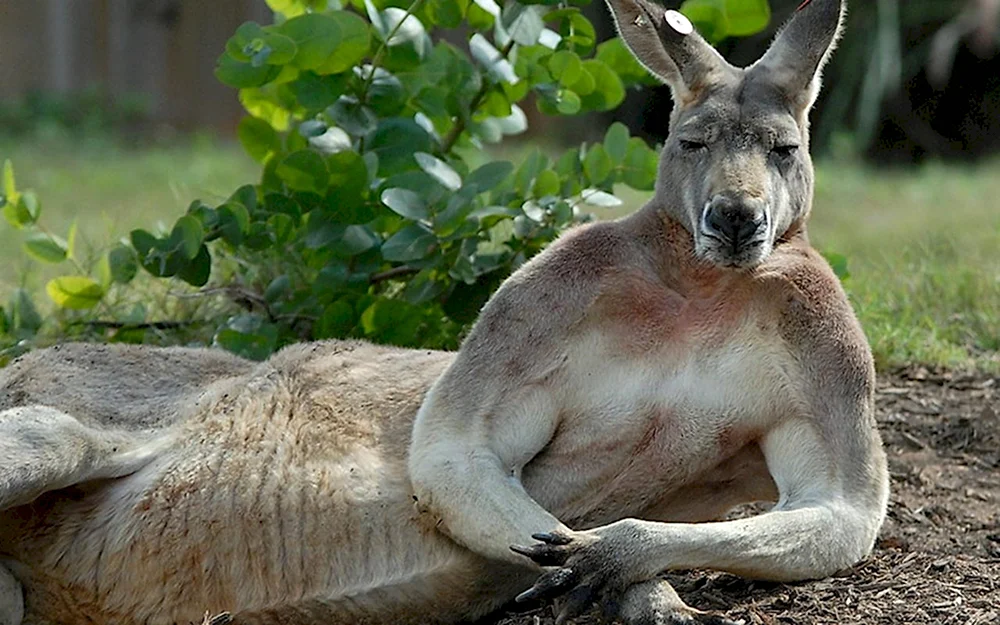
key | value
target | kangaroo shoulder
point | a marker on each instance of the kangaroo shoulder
(817, 320)
(524, 324)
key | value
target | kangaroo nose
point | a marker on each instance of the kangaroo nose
(734, 220)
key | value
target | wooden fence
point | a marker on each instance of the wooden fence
(162, 49)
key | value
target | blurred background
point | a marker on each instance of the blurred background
(111, 111)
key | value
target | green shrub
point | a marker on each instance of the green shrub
(379, 214)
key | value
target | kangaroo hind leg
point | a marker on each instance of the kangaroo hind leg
(43, 449)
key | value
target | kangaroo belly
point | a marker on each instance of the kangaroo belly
(275, 504)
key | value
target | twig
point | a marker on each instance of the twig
(389, 274)
(239, 295)
(460, 123)
(152, 325)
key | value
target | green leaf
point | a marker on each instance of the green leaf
(423, 288)
(523, 23)
(577, 31)
(234, 222)
(597, 164)
(547, 183)
(407, 30)
(74, 292)
(304, 170)
(29, 204)
(533, 165)
(455, 212)
(277, 287)
(9, 187)
(585, 84)
(608, 89)
(718, 19)
(24, 211)
(71, 240)
(248, 336)
(386, 95)
(354, 241)
(245, 195)
(186, 237)
(495, 104)
(489, 176)
(445, 13)
(123, 264)
(616, 142)
(334, 277)
(336, 322)
(46, 248)
(252, 44)
(486, 54)
(288, 8)
(355, 40)
(747, 17)
(347, 196)
(406, 203)
(242, 75)
(24, 315)
(283, 228)
(395, 141)
(439, 170)
(354, 118)
(392, 321)
(480, 19)
(317, 37)
(317, 92)
(640, 166)
(838, 262)
(596, 197)
(466, 300)
(615, 55)
(566, 67)
(413, 242)
(197, 271)
(262, 106)
(557, 100)
(258, 138)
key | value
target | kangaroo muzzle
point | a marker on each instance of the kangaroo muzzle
(737, 226)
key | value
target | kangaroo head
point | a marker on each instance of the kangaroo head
(735, 170)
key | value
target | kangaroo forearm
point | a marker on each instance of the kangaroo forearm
(481, 507)
(783, 545)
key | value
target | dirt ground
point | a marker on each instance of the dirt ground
(937, 560)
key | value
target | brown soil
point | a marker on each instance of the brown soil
(937, 560)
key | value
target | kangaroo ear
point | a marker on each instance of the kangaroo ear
(666, 43)
(795, 60)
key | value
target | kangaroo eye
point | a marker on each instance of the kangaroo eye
(692, 146)
(784, 152)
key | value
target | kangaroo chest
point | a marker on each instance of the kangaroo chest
(637, 428)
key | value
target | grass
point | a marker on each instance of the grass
(110, 190)
(923, 245)
(924, 253)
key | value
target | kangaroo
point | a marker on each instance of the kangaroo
(618, 395)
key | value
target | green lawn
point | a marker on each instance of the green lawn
(923, 248)
(923, 245)
(110, 190)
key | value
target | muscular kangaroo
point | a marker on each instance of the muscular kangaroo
(618, 395)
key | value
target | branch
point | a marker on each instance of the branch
(152, 325)
(236, 293)
(459, 127)
(389, 274)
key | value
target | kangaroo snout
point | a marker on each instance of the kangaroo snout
(739, 222)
